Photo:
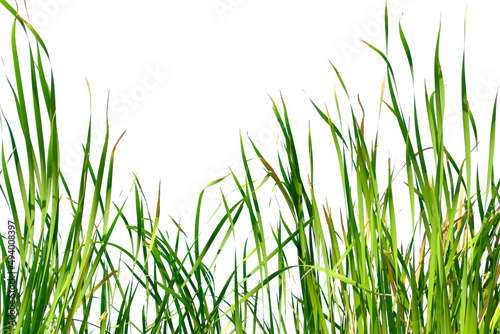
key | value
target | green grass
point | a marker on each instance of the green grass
(352, 271)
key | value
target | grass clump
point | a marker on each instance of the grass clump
(353, 274)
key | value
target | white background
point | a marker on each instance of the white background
(223, 59)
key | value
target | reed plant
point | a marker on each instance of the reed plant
(352, 272)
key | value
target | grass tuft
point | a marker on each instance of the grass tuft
(311, 270)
